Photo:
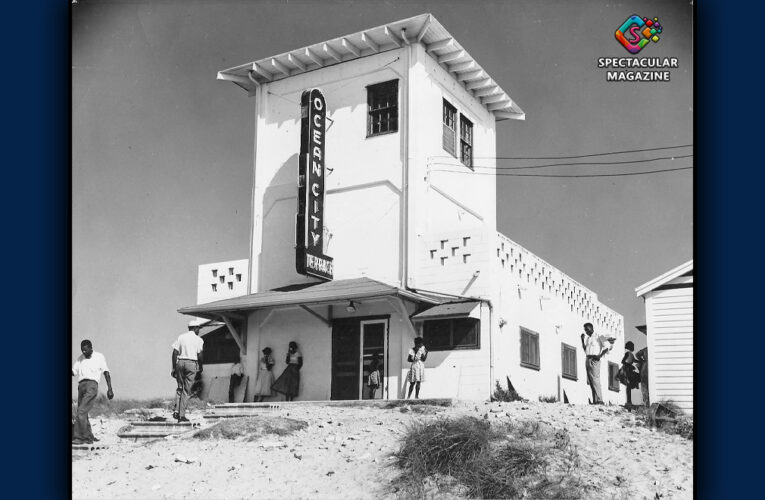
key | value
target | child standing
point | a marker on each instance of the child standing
(374, 376)
(417, 356)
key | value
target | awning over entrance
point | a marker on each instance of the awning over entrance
(308, 294)
(452, 310)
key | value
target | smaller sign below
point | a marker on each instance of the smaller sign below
(320, 265)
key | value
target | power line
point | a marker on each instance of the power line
(575, 176)
(645, 160)
(572, 156)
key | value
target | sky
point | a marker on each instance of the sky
(162, 152)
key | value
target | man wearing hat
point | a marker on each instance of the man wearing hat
(187, 361)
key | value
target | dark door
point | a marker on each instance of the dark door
(345, 359)
(373, 336)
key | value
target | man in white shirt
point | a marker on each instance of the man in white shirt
(88, 369)
(595, 347)
(187, 361)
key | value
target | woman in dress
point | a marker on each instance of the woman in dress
(265, 376)
(289, 381)
(417, 356)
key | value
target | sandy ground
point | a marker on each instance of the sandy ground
(346, 452)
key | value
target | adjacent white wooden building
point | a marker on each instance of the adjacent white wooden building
(407, 221)
(669, 324)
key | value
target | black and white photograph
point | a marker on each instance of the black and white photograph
(394, 249)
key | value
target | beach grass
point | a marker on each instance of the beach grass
(505, 460)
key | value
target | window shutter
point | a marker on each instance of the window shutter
(450, 139)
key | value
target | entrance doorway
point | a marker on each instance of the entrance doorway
(356, 342)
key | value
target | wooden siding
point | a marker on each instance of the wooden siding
(669, 317)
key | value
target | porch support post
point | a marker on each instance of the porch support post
(241, 340)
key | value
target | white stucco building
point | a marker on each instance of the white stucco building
(669, 330)
(408, 217)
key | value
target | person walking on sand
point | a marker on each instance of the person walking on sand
(288, 382)
(417, 356)
(595, 347)
(188, 360)
(88, 369)
(265, 376)
(642, 362)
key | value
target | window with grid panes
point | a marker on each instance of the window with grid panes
(382, 108)
(450, 128)
(466, 141)
(529, 349)
(451, 334)
(568, 357)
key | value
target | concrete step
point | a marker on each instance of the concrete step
(141, 429)
(89, 447)
(238, 410)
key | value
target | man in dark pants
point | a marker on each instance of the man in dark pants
(595, 347)
(88, 369)
(187, 361)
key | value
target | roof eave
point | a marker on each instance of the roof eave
(664, 278)
(211, 310)
(423, 29)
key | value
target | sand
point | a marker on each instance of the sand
(347, 452)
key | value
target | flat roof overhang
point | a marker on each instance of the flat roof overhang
(309, 294)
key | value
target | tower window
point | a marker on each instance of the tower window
(382, 108)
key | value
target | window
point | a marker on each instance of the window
(529, 349)
(220, 347)
(613, 383)
(466, 141)
(382, 108)
(568, 357)
(450, 128)
(450, 334)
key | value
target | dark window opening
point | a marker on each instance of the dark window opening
(451, 334)
(220, 347)
(382, 107)
(529, 349)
